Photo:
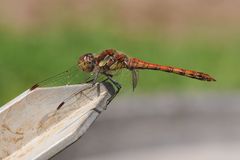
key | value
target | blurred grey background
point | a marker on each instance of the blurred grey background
(168, 126)
(168, 117)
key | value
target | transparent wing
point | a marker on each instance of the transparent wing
(70, 76)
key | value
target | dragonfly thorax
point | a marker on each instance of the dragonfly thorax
(87, 62)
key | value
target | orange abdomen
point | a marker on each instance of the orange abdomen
(135, 63)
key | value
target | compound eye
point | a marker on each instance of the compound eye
(87, 62)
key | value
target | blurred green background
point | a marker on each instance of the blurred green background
(41, 38)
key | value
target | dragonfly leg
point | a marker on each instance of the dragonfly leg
(96, 74)
(116, 84)
(98, 89)
(108, 75)
(94, 81)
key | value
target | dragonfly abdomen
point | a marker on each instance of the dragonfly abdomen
(135, 63)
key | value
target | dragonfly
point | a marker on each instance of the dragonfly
(109, 61)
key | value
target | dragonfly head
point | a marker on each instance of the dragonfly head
(87, 62)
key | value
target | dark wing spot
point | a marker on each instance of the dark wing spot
(34, 87)
(60, 105)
